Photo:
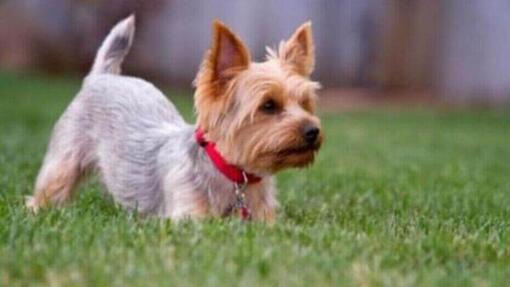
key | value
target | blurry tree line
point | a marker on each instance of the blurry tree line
(458, 48)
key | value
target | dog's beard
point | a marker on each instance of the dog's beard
(266, 154)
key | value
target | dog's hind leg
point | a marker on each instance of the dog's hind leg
(56, 182)
(64, 164)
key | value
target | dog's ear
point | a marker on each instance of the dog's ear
(225, 59)
(299, 50)
(228, 54)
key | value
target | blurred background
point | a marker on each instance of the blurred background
(369, 52)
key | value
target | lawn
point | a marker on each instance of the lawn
(408, 198)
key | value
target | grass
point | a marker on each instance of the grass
(416, 198)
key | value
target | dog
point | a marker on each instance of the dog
(253, 120)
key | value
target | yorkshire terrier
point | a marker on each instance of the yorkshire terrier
(253, 120)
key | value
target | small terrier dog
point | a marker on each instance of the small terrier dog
(253, 119)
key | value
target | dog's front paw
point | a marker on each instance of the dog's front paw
(31, 203)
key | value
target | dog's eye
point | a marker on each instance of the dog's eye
(307, 105)
(269, 107)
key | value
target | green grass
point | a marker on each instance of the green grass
(416, 198)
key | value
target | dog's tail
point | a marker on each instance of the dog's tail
(115, 47)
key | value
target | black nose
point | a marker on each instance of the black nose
(310, 133)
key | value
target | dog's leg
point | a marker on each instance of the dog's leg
(263, 203)
(56, 181)
(64, 162)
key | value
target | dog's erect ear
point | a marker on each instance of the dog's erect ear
(299, 50)
(228, 54)
(226, 58)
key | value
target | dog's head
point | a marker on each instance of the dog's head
(261, 115)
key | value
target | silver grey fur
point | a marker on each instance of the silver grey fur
(144, 152)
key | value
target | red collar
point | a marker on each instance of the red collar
(232, 172)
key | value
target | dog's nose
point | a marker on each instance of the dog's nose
(310, 133)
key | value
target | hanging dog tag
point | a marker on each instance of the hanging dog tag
(243, 210)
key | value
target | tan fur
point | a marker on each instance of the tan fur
(261, 206)
(299, 51)
(55, 184)
(229, 95)
(223, 60)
